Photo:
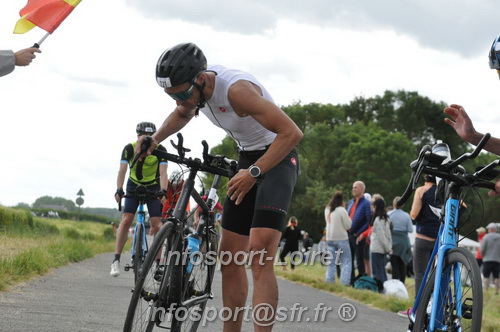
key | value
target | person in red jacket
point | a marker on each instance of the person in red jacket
(481, 232)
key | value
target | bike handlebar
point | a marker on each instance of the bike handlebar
(436, 161)
(214, 164)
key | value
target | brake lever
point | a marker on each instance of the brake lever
(144, 147)
(206, 157)
(181, 150)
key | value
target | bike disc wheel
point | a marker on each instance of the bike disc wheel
(458, 261)
(146, 307)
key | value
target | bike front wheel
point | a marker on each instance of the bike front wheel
(197, 287)
(461, 296)
(137, 260)
(146, 306)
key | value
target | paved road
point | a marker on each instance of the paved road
(83, 297)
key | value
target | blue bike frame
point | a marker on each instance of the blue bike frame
(141, 217)
(447, 240)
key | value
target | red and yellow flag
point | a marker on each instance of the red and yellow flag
(46, 14)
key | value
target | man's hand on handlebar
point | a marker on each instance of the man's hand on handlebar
(119, 194)
(152, 147)
(495, 192)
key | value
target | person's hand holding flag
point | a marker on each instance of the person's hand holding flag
(46, 14)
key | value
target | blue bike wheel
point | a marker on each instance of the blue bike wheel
(461, 305)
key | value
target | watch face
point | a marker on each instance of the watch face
(254, 171)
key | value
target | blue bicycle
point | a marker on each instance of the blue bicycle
(140, 242)
(450, 297)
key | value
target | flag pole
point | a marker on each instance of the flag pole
(37, 45)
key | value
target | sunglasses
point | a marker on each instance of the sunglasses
(183, 95)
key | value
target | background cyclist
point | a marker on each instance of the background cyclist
(259, 194)
(152, 170)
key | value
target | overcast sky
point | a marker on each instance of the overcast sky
(66, 117)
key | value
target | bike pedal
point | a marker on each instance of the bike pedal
(467, 308)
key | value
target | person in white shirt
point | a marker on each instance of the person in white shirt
(337, 239)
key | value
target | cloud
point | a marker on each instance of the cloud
(460, 26)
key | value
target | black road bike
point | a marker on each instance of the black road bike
(174, 283)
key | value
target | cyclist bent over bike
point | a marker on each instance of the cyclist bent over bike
(259, 194)
(152, 169)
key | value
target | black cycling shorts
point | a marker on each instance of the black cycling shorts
(131, 204)
(266, 204)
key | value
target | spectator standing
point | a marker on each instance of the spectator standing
(427, 223)
(360, 213)
(322, 247)
(490, 249)
(337, 239)
(292, 236)
(307, 244)
(366, 235)
(401, 247)
(481, 232)
(381, 239)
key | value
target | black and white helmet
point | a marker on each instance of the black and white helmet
(180, 64)
(494, 55)
(145, 128)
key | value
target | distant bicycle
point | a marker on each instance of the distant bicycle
(450, 297)
(140, 242)
(175, 280)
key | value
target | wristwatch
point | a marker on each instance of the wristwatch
(255, 172)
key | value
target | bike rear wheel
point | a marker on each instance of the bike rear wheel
(468, 291)
(146, 307)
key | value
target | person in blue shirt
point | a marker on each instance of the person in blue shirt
(360, 213)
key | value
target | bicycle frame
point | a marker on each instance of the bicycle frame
(188, 191)
(141, 218)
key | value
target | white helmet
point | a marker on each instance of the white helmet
(175, 178)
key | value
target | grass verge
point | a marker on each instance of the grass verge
(32, 248)
(314, 276)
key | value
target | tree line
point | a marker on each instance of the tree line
(373, 140)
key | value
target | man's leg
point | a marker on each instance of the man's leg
(121, 239)
(234, 278)
(155, 225)
(352, 246)
(486, 283)
(360, 257)
(122, 233)
(263, 247)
